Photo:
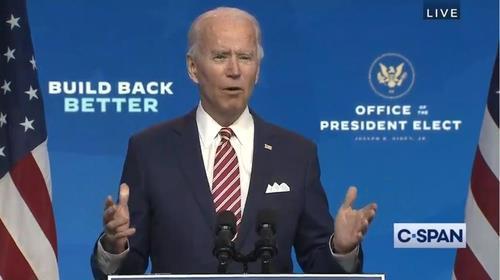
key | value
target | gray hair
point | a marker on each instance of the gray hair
(194, 30)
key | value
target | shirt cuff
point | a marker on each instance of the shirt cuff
(348, 261)
(107, 262)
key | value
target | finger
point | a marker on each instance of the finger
(122, 227)
(370, 216)
(115, 224)
(125, 233)
(371, 206)
(108, 214)
(124, 193)
(360, 236)
(364, 226)
(109, 202)
(369, 211)
(361, 222)
(350, 197)
(114, 237)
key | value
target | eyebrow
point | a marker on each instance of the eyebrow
(227, 52)
(219, 52)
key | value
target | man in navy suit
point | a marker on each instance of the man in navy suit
(221, 156)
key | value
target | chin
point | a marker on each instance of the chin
(234, 109)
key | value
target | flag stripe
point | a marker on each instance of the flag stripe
(467, 267)
(13, 265)
(484, 187)
(26, 232)
(493, 96)
(31, 185)
(481, 237)
(41, 156)
(488, 143)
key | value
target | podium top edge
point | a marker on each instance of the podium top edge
(277, 276)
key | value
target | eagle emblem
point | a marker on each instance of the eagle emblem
(390, 76)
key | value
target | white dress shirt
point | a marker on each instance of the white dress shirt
(242, 142)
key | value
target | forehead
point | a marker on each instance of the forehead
(234, 32)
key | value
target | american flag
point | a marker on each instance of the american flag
(479, 260)
(28, 245)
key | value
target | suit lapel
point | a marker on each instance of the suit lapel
(259, 178)
(191, 160)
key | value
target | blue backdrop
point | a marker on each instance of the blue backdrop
(316, 70)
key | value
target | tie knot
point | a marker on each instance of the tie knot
(226, 133)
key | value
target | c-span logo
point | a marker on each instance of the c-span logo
(391, 75)
(434, 235)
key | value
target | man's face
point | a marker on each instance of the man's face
(225, 66)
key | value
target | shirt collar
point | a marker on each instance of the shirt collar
(208, 128)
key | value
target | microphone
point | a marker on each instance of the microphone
(265, 248)
(225, 230)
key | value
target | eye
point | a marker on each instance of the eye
(219, 57)
(246, 57)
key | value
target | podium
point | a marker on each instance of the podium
(250, 277)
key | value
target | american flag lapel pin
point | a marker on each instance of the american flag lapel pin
(268, 147)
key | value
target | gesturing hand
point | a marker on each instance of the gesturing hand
(351, 224)
(116, 221)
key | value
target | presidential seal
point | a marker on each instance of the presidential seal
(391, 75)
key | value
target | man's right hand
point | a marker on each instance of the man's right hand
(116, 221)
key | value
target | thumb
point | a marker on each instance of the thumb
(124, 193)
(350, 197)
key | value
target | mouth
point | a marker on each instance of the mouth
(233, 90)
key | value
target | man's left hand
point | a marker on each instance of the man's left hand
(351, 224)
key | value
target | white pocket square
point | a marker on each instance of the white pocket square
(277, 188)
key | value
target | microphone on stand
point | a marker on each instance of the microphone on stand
(265, 248)
(225, 229)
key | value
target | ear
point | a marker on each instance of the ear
(192, 68)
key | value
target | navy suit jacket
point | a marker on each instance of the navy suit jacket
(172, 210)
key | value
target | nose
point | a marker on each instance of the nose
(233, 68)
